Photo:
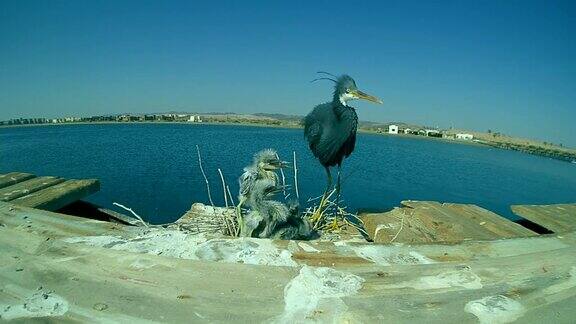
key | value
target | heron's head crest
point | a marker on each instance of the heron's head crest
(345, 89)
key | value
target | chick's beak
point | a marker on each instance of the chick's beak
(277, 189)
(361, 95)
(280, 164)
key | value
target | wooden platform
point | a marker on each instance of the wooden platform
(430, 221)
(558, 218)
(48, 193)
(46, 278)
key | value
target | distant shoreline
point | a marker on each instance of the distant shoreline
(529, 149)
(284, 126)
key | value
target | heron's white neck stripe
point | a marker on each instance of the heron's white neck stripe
(344, 98)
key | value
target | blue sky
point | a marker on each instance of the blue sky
(508, 66)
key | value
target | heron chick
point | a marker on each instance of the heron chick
(264, 166)
(265, 212)
(270, 218)
(296, 227)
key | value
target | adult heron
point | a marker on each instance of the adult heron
(330, 128)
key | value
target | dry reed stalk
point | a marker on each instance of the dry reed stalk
(295, 176)
(223, 187)
(283, 179)
(207, 183)
(133, 213)
(205, 178)
(400, 230)
(230, 196)
(235, 216)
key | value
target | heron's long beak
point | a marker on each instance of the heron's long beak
(361, 95)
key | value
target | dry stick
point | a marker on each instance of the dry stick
(223, 187)
(283, 179)
(322, 210)
(230, 195)
(230, 224)
(400, 230)
(314, 198)
(205, 178)
(296, 176)
(236, 228)
(207, 184)
(133, 213)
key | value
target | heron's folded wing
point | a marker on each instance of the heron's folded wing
(246, 182)
(312, 131)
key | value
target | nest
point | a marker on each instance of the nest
(331, 216)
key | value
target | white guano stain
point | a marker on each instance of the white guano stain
(308, 248)
(569, 283)
(315, 295)
(196, 247)
(41, 303)
(384, 255)
(497, 309)
(384, 226)
(463, 277)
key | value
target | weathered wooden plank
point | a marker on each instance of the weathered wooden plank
(558, 218)
(54, 224)
(426, 222)
(490, 221)
(60, 195)
(12, 178)
(102, 284)
(317, 253)
(27, 187)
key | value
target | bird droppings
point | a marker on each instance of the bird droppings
(383, 255)
(462, 277)
(315, 295)
(195, 247)
(384, 226)
(495, 309)
(245, 250)
(41, 303)
(140, 264)
(100, 307)
(568, 283)
(307, 247)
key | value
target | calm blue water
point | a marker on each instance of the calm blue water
(153, 168)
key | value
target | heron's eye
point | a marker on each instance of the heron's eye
(347, 90)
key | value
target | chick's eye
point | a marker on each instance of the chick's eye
(347, 90)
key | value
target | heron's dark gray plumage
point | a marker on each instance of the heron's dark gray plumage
(330, 128)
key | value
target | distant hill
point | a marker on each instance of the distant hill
(293, 118)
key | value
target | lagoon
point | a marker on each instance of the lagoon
(153, 168)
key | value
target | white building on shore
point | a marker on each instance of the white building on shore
(195, 119)
(464, 136)
(393, 129)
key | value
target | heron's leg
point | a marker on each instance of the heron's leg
(329, 175)
(338, 185)
(317, 215)
(328, 185)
